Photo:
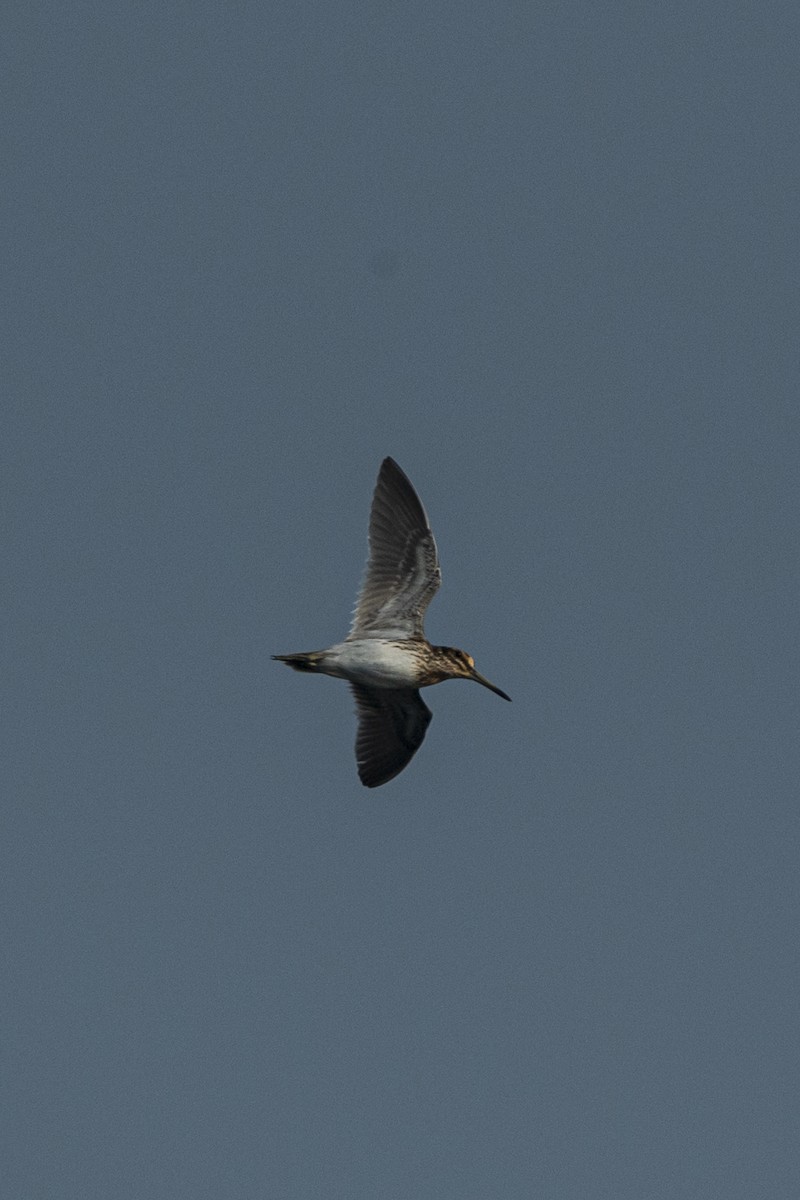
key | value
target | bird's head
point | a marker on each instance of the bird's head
(460, 665)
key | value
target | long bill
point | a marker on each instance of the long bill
(480, 679)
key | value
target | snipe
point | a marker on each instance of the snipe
(386, 657)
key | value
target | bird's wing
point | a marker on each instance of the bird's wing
(403, 568)
(391, 728)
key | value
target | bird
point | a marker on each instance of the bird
(386, 657)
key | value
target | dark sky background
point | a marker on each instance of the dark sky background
(547, 258)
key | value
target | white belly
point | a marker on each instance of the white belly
(373, 662)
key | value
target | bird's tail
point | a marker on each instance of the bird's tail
(312, 661)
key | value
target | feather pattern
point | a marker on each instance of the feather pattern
(392, 724)
(403, 574)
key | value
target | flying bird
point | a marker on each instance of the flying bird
(386, 657)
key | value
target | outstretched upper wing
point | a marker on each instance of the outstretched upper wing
(403, 569)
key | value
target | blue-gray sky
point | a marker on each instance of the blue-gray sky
(547, 258)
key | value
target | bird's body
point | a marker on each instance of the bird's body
(382, 662)
(386, 657)
(375, 662)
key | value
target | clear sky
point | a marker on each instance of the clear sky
(545, 256)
